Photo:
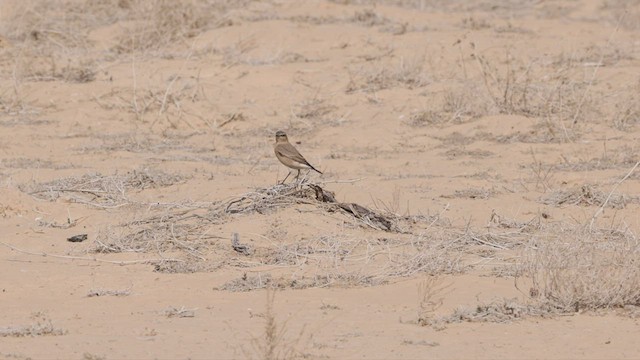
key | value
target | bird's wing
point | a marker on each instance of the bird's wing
(288, 151)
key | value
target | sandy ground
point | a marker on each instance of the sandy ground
(494, 138)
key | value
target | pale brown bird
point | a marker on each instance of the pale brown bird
(289, 155)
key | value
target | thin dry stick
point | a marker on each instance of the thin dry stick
(163, 104)
(135, 86)
(68, 257)
(347, 181)
(595, 72)
(601, 208)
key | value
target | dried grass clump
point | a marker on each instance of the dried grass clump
(462, 151)
(161, 236)
(460, 105)
(267, 281)
(326, 260)
(267, 199)
(428, 118)
(169, 102)
(34, 68)
(275, 342)
(624, 156)
(580, 268)
(464, 103)
(542, 132)
(588, 195)
(22, 121)
(627, 111)
(407, 73)
(497, 311)
(43, 327)
(50, 39)
(99, 190)
(562, 97)
(623, 12)
(162, 23)
(358, 262)
(189, 265)
(472, 193)
(180, 312)
(27, 163)
(64, 24)
(108, 292)
(315, 108)
(130, 142)
(369, 17)
(184, 228)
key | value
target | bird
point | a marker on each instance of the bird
(289, 155)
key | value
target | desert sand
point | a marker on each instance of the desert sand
(480, 194)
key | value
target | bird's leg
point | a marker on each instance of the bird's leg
(298, 176)
(286, 177)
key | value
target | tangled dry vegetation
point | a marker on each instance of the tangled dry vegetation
(567, 267)
(325, 259)
(99, 190)
(42, 327)
(563, 267)
(53, 42)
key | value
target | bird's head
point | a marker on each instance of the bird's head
(281, 136)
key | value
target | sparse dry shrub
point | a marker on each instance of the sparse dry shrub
(100, 190)
(319, 261)
(627, 115)
(42, 327)
(428, 118)
(169, 101)
(407, 73)
(473, 193)
(464, 103)
(50, 39)
(62, 24)
(497, 311)
(160, 23)
(268, 281)
(620, 157)
(475, 23)
(566, 268)
(164, 234)
(275, 342)
(180, 312)
(430, 292)
(562, 96)
(518, 89)
(626, 13)
(459, 104)
(626, 112)
(315, 108)
(369, 17)
(108, 292)
(574, 268)
(26, 163)
(33, 67)
(332, 261)
(588, 195)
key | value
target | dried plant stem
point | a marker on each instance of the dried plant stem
(595, 72)
(85, 258)
(601, 208)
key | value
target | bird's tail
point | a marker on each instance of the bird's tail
(316, 170)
